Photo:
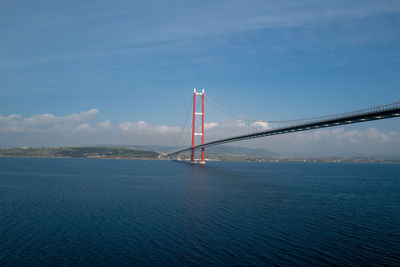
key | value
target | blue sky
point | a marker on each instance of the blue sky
(138, 61)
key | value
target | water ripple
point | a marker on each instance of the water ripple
(99, 212)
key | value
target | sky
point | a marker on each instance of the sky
(123, 72)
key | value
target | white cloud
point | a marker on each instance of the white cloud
(40, 119)
(45, 122)
(104, 125)
(82, 116)
(210, 125)
(332, 141)
(80, 129)
(141, 127)
(349, 136)
(343, 141)
(261, 125)
(375, 135)
(83, 129)
(10, 117)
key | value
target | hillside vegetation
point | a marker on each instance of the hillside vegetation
(80, 152)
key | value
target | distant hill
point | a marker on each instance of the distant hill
(216, 152)
(81, 152)
(239, 152)
(223, 152)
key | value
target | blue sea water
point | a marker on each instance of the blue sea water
(125, 212)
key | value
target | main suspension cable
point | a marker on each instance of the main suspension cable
(184, 124)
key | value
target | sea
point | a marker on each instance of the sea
(103, 212)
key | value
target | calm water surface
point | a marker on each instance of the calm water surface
(122, 212)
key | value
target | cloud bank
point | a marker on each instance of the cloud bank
(83, 128)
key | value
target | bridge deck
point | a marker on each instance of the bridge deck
(384, 112)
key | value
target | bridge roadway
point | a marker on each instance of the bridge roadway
(378, 113)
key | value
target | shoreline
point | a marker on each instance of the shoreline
(355, 161)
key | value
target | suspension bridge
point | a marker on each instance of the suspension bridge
(233, 129)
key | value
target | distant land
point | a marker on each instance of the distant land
(80, 152)
(218, 153)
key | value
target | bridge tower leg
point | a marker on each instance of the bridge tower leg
(194, 134)
(203, 160)
(194, 126)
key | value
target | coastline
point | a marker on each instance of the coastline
(308, 161)
(130, 153)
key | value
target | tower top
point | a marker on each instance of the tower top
(198, 93)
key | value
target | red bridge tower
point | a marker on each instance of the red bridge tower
(194, 134)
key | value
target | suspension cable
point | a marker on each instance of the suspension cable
(186, 119)
(301, 119)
